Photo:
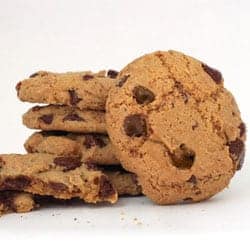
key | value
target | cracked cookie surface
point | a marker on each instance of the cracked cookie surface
(85, 90)
(176, 127)
(65, 118)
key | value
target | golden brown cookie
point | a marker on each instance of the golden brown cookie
(65, 118)
(95, 148)
(60, 177)
(176, 127)
(85, 90)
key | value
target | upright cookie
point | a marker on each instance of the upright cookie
(85, 90)
(60, 177)
(95, 148)
(176, 127)
(65, 118)
(18, 202)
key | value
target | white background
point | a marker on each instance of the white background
(82, 35)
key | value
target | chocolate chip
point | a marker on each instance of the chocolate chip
(18, 87)
(68, 163)
(36, 108)
(192, 179)
(15, 183)
(242, 128)
(135, 125)
(183, 157)
(143, 95)
(96, 181)
(92, 140)
(6, 200)
(58, 187)
(34, 75)
(87, 77)
(74, 99)
(241, 161)
(112, 73)
(236, 149)
(106, 188)
(91, 166)
(73, 117)
(187, 200)
(213, 73)
(122, 80)
(47, 119)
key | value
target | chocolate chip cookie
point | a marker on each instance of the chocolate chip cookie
(59, 177)
(95, 148)
(65, 118)
(85, 90)
(14, 201)
(176, 127)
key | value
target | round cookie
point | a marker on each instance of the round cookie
(176, 127)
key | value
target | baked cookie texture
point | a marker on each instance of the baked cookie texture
(95, 148)
(65, 118)
(176, 127)
(59, 177)
(85, 90)
(14, 201)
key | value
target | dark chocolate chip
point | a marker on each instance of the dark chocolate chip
(36, 108)
(6, 200)
(91, 166)
(18, 87)
(242, 128)
(183, 157)
(106, 188)
(192, 179)
(74, 99)
(135, 125)
(87, 77)
(34, 75)
(47, 119)
(122, 80)
(213, 73)
(187, 200)
(92, 140)
(241, 161)
(236, 149)
(15, 183)
(112, 73)
(68, 163)
(96, 181)
(58, 187)
(143, 95)
(73, 117)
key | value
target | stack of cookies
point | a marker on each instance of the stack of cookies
(164, 126)
(72, 156)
